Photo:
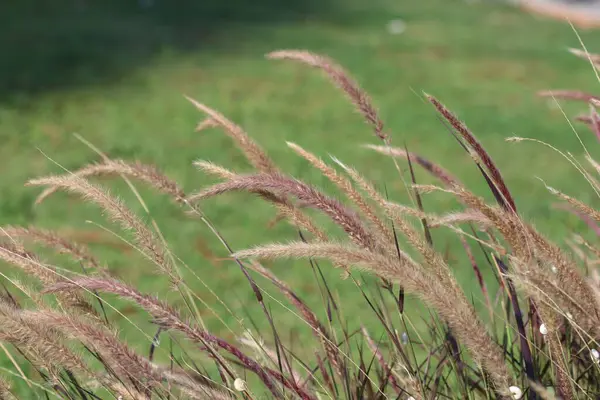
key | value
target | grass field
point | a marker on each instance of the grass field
(117, 75)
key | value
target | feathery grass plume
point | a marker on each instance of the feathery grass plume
(44, 346)
(544, 290)
(346, 218)
(207, 123)
(478, 149)
(593, 163)
(123, 360)
(144, 376)
(469, 216)
(14, 254)
(285, 209)
(594, 227)
(341, 79)
(568, 95)
(578, 240)
(253, 152)
(436, 221)
(214, 169)
(577, 205)
(434, 169)
(594, 121)
(461, 317)
(143, 172)
(583, 54)
(151, 246)
(55, 241)
(507, 223)
(43, 353)
(409, 211)
(347, 188)
(77, 251)
(168, 318)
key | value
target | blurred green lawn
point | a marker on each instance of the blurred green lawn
(124, 93)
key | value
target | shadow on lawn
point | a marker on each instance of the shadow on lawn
(50, 44)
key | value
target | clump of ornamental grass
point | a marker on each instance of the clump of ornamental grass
(536, 335)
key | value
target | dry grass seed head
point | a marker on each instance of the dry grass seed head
(40, 342)
(593, 163)
(577, 205)
(286, 210)
(207, 123)
(507, 223)
(13, 253)
(568, 95)
(347, 188)
(214, 169)
(148, 174)
(477, 149)
(469, 216)
(436, 221)
(149, 243)
(55, 241)
(594, 58)
(346, 218)
(122, 359)
(253, 152)
(341, 79)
